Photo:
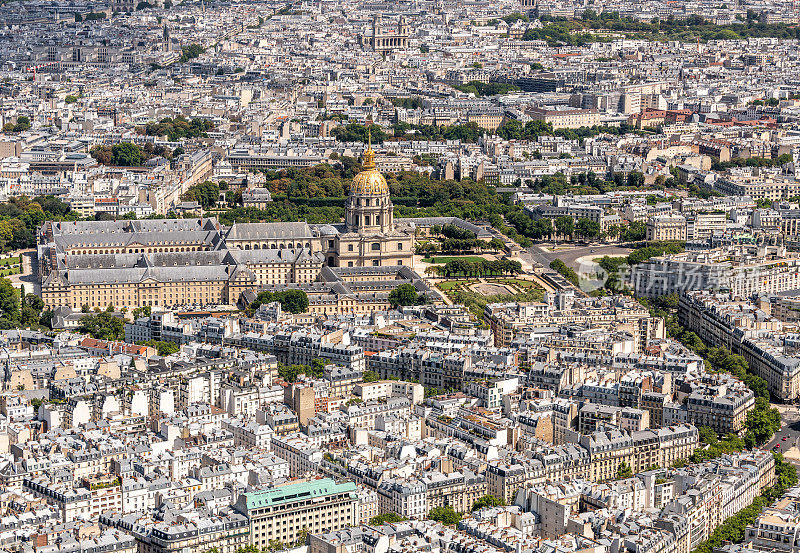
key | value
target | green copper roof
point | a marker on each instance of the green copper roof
(296, 492)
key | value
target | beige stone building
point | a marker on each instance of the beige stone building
(166, 263)
(566, 118)
(282, 512)
(666, 227)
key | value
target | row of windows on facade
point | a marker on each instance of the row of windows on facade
(366, 202)
(375, 262)
(367, 220)
(275, 246)
(375, 246)
(137, 250)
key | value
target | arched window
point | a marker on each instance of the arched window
(376, 246)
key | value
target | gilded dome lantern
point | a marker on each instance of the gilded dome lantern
(369, 180)
(368, 205)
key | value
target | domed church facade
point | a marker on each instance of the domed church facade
(370, 236)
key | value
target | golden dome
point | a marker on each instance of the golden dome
(370, 180)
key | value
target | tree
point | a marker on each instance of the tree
(693, 342)
(587, 228)
(496, 244)
(143, 311)
(177, 128)
(127, 154)
(635, 232)
(70, 99)
(302, 536)
(708, 435)
(163, 348)
(405, 294)
(9, 300)
(355, 132)
(46, 318)
(190, 52)
(370, 376)
(567, 272)
(317, 367)
(565, 226)
(293, 301)
(23, 123)
(103, 326)
(445, 515)
(761, 423)
(386, 518)
(124, 154)
(205, 193)
(488, 501)
(290, 373)
(624, 470)
(510, 130)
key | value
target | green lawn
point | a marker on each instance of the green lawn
(518, 282)
(442, 260)
(447, 285)
(12, 271)
(10, 261)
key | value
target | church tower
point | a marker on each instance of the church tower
(165, 39)
(369, 209)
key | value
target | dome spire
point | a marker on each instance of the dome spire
(369, 180)
(369, 154)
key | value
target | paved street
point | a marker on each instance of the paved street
(28, 275)
(790, 417)
(540, 256)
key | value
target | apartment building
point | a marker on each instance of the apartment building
(775, 529)
(723, 408)
(282, 512)
(227, 532)
(595, 457)
(566, 118)
(758, 183)
(740, 270)
(459, 489)
(666, 227)
(760, 339)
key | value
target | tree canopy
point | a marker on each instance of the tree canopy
(405, 294)
(386, 518)
(177, 128)
(293, 301)
(445, 515)
(163, 348)
(124, 154)
(103, 326)
(487, 501)
(205, 193)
